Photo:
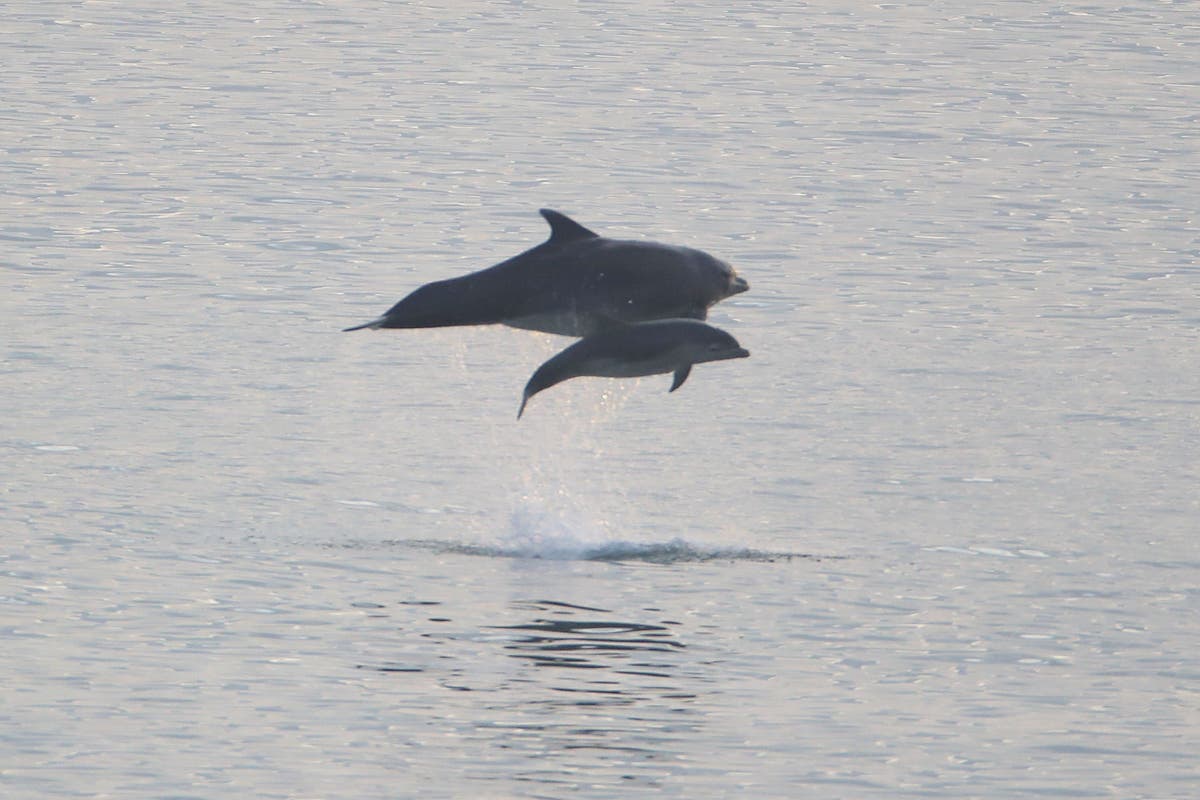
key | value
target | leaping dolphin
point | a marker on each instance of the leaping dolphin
(576, 283)
(631, 351)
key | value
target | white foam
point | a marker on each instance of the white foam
(538, 531)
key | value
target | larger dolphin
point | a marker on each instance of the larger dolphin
(631, 351)
(576, 283)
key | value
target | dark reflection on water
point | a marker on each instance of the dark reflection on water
(597, 694)
(591, 690)
(623, 647)
(592, 644)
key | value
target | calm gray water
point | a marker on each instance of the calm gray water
(936, 538)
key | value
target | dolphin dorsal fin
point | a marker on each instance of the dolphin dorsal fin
(563, 228)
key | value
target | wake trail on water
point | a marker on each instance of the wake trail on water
(537, 532)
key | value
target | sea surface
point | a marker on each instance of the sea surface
(936, 538)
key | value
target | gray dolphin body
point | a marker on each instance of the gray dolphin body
(631, 351)
(576, 283)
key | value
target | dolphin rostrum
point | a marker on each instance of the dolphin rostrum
(631, 351)
(576, 283)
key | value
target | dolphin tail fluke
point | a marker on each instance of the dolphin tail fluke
(681, 375)
(521, 410)
(373, 324)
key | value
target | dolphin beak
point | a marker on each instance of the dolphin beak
(737, 285)
(725, 355)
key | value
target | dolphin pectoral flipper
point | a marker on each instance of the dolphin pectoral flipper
(681, 375)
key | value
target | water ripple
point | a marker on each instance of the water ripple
(675, 551)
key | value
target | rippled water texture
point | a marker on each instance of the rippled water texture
(936, 538)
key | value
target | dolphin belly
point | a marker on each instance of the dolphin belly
(612, 367)
(586, 323)
(564, 323)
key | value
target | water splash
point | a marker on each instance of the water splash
(541, 530)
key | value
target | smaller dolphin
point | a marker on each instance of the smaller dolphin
(631, 351)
